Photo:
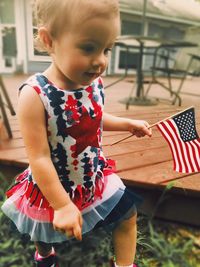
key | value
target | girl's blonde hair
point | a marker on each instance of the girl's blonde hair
(58, 16)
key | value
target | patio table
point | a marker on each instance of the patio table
(140, 43)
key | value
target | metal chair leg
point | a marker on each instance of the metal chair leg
(5, 118)
(5, 94)
(2, 107)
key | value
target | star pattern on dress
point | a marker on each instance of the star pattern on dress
(85, 133)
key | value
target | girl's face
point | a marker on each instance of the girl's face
(81, 55)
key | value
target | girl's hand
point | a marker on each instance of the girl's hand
(68, 220)
(139, 128)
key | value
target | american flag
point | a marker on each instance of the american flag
(181, 134)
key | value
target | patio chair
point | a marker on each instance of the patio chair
(5, 102)
(165, 65)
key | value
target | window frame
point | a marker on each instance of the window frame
(30, 37)
(117, 60)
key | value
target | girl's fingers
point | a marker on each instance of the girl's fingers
(148, 131)
(59, 230)
(69, 233)
(78, 233)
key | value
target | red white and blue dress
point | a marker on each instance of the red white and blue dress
(74, 131)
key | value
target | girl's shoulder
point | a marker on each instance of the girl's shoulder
(36, 81)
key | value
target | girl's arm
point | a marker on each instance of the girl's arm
(136, 127)
(31, 117)
(32, 125)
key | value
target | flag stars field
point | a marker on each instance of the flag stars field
(186, 125)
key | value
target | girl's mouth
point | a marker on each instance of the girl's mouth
(92, 74)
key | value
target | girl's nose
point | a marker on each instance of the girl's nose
(100, 61)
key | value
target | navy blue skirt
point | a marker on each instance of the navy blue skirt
(125, 209)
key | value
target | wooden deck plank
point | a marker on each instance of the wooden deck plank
(14, 154)
(157, 179)
(10, 144)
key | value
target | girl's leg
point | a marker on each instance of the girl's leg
(124, 241)
(44, 249)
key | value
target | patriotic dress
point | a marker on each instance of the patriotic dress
(74, 131)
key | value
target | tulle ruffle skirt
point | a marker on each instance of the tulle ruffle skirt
(35, 218)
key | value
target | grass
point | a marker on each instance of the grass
(160, 244)
(167, 244)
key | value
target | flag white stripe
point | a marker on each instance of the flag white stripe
(176, 167)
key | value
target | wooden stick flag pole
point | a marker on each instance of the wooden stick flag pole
(120, 140)
(152, 125)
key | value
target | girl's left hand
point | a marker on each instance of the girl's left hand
(139, 128)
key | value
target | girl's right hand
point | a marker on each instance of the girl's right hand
(68, 220)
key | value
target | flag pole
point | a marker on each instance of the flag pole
(152, 125)
(120, 140)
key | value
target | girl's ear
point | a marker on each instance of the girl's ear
(46, 39)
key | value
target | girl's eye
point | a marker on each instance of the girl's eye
(88, 48)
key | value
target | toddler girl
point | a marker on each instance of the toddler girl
(70, 187)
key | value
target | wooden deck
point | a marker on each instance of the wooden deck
(145, 164)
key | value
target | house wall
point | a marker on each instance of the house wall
(184, 55)
(28, 60)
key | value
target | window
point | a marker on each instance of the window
(131, 27)
(131, 61)
(121, 60)
(7, 15)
